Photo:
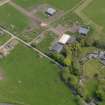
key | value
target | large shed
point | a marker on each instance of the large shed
(64, 39)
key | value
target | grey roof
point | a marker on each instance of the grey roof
(57, 47)
(83, 30)
(51, 11)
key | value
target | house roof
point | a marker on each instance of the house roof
(83, 30)
(64, 39)
(57, 47)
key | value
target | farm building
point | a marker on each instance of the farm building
(51, 11)
(57, 47)
(64, 39)
(83, 31)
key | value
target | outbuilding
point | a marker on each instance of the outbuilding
(51, 11)
(57, 47)
(83, 30)
(64, 39)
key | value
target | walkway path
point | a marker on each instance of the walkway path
(2, 2)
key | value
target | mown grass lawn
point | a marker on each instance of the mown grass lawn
(64, 4)
(12, 20)
(91, 68)
(32, 80)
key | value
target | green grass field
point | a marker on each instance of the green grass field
(13, 20)
(96, 12)
(46, 42)
(31, 80)
(64, 5)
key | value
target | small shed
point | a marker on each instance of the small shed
(51, 11)
(57, 47)
(64, 39)
(83, 31)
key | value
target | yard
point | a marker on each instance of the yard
(47, 41)
(68, 20)
(29, 79)
(13, 20)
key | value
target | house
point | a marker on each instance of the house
(83, 31)
(64, 39)
(57, 47)
(51, 11)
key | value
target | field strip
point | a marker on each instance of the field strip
(85, 18)
(4, 2)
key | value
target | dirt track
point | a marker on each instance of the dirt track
(2, 2)
(25, 12)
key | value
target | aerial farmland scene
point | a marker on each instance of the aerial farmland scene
(52, 52)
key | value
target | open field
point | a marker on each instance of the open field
(96, 12)
(17, 23)
(11, 19)
(64, 5)
(32, 80)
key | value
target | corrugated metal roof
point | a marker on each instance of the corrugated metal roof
(64, 39)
